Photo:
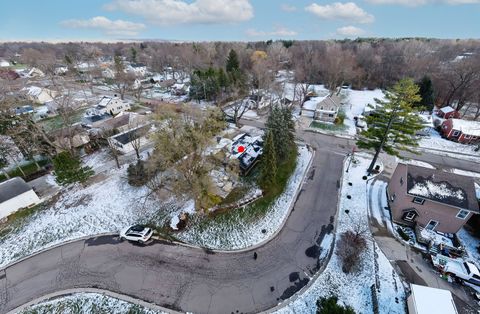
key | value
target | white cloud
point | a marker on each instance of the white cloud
(288, 8)
(350, 31)
(165, 12)
(348, 11)
(416, 3)
(277, 32)
(109, 27)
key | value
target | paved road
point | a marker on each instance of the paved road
(345, 145)
(189, 279)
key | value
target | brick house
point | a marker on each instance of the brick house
(432, 199)
(448, 113)
(462, 131)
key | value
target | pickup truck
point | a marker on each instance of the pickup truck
(459, 268)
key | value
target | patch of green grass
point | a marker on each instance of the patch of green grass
(28, 169)
(235, 195)
(56, 122)
(328, 126)
(24, 213)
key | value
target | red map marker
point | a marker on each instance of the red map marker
(241, 149)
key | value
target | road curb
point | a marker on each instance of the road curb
(68, 292)
(324, 266)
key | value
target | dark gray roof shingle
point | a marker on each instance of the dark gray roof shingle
(12, 188)
(443, 187)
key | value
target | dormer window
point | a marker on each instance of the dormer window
(418, 200)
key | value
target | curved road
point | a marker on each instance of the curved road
(188, 279)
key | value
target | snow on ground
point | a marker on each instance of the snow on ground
(419, 163)
(356, 102)
(471, 243)
(354, 289)
(87, 303)
(239, 233)
(99, 208)
(436, 142)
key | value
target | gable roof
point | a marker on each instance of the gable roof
(466, 127)
(442, 187)
(133, 134)
(331, 101)
(447, 109)
(13, 188)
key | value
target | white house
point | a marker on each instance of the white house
(108, 73)
(14, 195)
(34, 72)
(111, 105)
(39, 95)
(139, 69)
(426, 300)
(327, 109)
(126, 141)
(4, 63)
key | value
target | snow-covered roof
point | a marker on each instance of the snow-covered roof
(466, 127)
(447, 109)
(428, 300)
(446, 188)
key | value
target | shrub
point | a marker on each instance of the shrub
(330, 306)
(349, 248)
(340, 117)
(402, 233)
(137, 174)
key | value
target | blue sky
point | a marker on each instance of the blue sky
(111, 20)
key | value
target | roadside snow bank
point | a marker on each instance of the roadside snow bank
(374, 268)
(87, 303)
(103, 207)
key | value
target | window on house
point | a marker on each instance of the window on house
(418, 200)
(456, 133)
(467, 137)
(392, 198)
(431, 225)
(410, 216)
(462, 214)
(330, 115)
(401, 180)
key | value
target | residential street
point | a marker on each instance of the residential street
(189, 279)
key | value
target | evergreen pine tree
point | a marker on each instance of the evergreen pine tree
(331, 306)
(269, 161)
(68, 169)
(233, 65)
(426, 92)
(393, 126)
(281, 124)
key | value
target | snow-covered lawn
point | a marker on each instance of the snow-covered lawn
(471, 243)
(111, 204)
(434, 142)
(356, 101)
(239, 232)
(83, 303)
(354, 289)
(105, 206)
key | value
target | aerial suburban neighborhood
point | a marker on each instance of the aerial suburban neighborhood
(186, 157)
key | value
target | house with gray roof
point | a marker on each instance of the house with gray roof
(14, 195)
(431, 199)
(327, 109)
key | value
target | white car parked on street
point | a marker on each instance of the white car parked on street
(137, 233)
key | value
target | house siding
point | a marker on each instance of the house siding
(23, 200)
(444, 214)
